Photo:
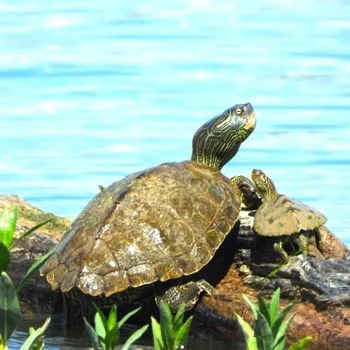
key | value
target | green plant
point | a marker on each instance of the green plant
(271, 325)
(172, 332)
(106, 333)
(10, 313)
(35, 340)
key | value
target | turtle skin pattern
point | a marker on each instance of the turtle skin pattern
(158, 224)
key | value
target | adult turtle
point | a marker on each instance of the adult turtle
(158, 224)
(280, 216)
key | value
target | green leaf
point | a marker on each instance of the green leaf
(133, 337)
(8, 222)
(274, 305)
(127, 316)
(112, 318)
(281, 334)
(166, 325)
(106, 332)
(92, 335)
(263, 333)
(33, 268)
(4, 257)
(112, 335)
(100, 325)
(280, 318)
(2, 345)
(28, 232)
(181, 335)
(252, 306)
(158, 343)
(179, 318)
(34, 341)
(301, 344)
(264, 310)
(248, 333)
(279, 343)
(10, 313)
(111, 338)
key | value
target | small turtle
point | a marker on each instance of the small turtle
(280, 216)
(158, 224)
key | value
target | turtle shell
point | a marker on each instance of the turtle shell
(284, 216)
(159, 224)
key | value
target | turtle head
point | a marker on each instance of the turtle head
(218, 140)
(264, 184)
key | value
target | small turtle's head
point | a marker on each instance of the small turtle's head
(218, 140)
(264, 184)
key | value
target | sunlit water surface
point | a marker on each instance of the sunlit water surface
(91, 91)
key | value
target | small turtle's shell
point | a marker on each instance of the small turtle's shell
(159, 224)
(284, 216)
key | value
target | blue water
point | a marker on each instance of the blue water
(92, 91)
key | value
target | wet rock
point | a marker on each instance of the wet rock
(325, 282)
(318, 285)
(332, 246)
(29, 216)
(327, 326)
(36, 296)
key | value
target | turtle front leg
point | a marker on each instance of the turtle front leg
(301, 240)
(303, 243)
(278, 247)
(187, 294)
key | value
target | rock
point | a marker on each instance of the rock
(36, 296)
(318, 284)
(332, 246)
(328, 327)
(29, 216)
(325, 282)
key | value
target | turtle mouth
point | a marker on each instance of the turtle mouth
(251, 117)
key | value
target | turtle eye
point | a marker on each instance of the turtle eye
(239, 111)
